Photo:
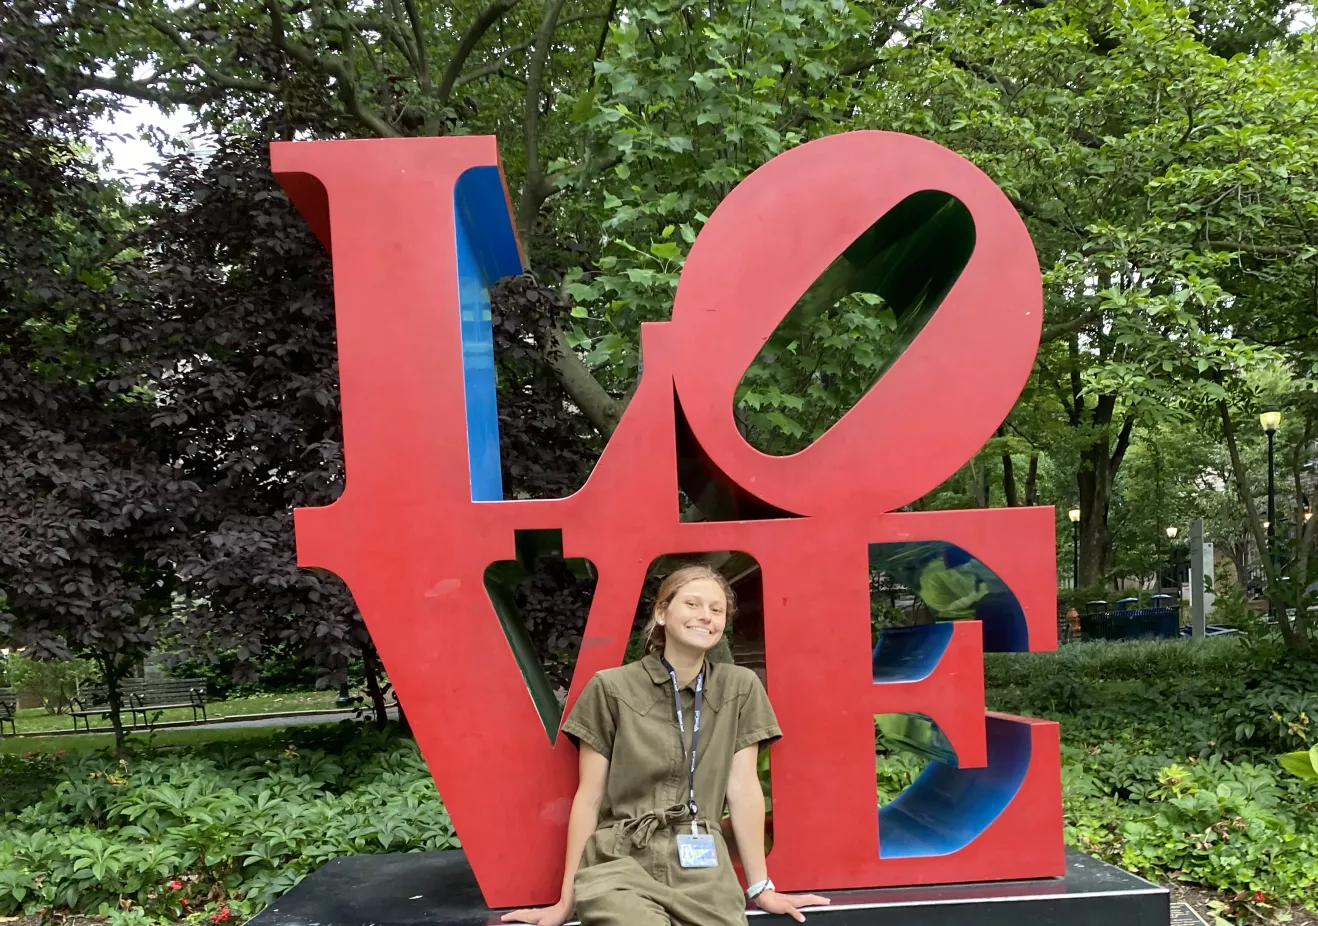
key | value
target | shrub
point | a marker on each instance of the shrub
(54, 680)
(212, 827)
(1172, 773)
(277, 671)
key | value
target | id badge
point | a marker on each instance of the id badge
(696, 851)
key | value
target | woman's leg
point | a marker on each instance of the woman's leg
(619, 893)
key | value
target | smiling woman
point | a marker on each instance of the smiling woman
(692, 609)
(679, 724)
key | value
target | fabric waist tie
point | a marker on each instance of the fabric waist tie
(640, 830)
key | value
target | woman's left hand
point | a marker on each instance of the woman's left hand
(791, 904)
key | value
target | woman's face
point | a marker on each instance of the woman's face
(696, 616)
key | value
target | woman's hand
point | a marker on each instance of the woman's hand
(556, 915)
(791, 904)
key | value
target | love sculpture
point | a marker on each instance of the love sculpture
(419, 229)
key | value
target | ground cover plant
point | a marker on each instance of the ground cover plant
(1169, 769)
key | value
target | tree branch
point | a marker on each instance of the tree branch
(190, 52)
(601, 409)
(604, 37)
(344, 82)
(534, 188)
(1077, 388)
(497, 65)
(140, 90)
(467, 44)
(391, 28)
(1257, 250)
(1062, 329)
(419, 36)
(494, 67)
(1123, 442)
(983, 72)
(855, 67)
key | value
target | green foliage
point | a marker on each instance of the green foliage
(1168, 765)
(1161, 661)
(277, 670)
(26, 777)
(1303, 764)
(1168, 769)
(233, 826)
(1238, 827)
(55, 680)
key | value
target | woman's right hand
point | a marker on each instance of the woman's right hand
(556, 915)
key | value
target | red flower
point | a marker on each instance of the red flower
(176, 885)
(1260, 897)
(224, 914)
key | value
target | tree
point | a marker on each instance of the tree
(1291, 579)
(407, 68)
(54, 681)
(90, 512)
(1160, 155)
(1114, 145)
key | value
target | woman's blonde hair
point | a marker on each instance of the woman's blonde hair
(668, 589)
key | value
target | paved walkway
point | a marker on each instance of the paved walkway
(235, 723)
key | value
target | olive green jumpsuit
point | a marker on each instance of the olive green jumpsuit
(629, 874)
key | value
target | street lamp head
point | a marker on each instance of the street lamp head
(1308, 514)
(1270, 419)
(1172, 532)
(1074, 515)
(1267, 524)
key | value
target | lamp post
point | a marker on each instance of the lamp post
(1171, 532)
(1074, 515)
(1271, 420)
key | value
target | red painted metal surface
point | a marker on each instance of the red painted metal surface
(413, 546)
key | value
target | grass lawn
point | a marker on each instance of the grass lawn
(178, 736)
(36, 720)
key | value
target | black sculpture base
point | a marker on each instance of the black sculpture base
(438, 889)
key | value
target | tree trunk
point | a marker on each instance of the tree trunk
(980, 478)
(1276, 598)
(1304, 540)
(404, 725)
(1100, 462)
(371, 668)
(1008, 476)
(114, 698)
(1239, 553)
(1095, 535)
(1032, 481)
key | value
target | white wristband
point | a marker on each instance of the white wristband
(758, 888)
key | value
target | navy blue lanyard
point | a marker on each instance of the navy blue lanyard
(681, 730)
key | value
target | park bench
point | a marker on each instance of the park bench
(8, 710)
(143, 698)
